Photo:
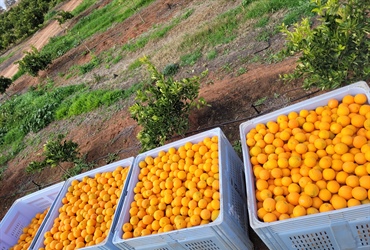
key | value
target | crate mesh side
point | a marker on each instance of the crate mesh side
(202, 245)
(312, 241)
(162, 248)
(363, 233)
(17, 224)
(237, 191)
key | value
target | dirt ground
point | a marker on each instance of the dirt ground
(101, 134)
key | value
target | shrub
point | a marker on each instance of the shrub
(33, 62)
(162, 108)
(4, 84)
(337, 50)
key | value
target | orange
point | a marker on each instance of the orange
(325, 195)
(299, 211)
(338, 202)
(269, 217)
(360, 98)
(359, 193)
(345, 192)
(305, 201)
(282, 206)
(364, 182)
(333, 186)
(269, 204)
(311, 189)
(315, 174)
(333, 103)
(353, 202)
(358, 120)
(293, 198)
(326, 207)
(328, 174)
(352, 181)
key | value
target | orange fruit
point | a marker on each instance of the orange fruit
(305, 201)
(338, 202)
(269, 217)
(364, 182)
(360, 98)
(311, 189)
(359, 193)
(299, 211)
(325, 195)
(345, 192)
(326, 207)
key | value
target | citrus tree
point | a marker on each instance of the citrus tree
(162, 107)
(337, 50)
(4, 84)
(34, 61)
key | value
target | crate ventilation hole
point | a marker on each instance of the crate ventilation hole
(313, 241)
(202, 245)
(364, 234)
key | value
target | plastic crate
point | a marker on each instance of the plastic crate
(23, 211)
(228, 231)
(347, 228)
(54, 212)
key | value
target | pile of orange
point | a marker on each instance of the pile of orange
(29, 232)
(312, 161)
(176, 189)
(87, 212)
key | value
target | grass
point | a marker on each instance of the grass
(4, 58)
(37, 108)
(223, 28)
(158, 33)
(98, 21)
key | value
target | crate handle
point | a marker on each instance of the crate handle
(344, 238)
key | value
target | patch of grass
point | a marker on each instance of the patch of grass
(191, 58)
(28, 112)
(83, 6)
(99, 20)
(159, 32)
(262, 22)
(87, 101)
(263, 36)
(87, 67)
(136, 64)
(218, 31)
(117, 59)
(4, 58)
(212, 54)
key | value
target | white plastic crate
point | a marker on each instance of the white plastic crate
(54, 212)
(23, 211)
(347, 228)
(228, 231)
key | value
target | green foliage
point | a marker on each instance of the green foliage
(191, 58)
(62, 16)
(56, 152)
(99, 20)
(86, 102)
(156, 34)
(87, 67)
(28, 112)
(4, 84)
(171, 69)
(162, 107)
(335, 52)
(4, 58)
(34, 61)
(40, 118)
(22, 20)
